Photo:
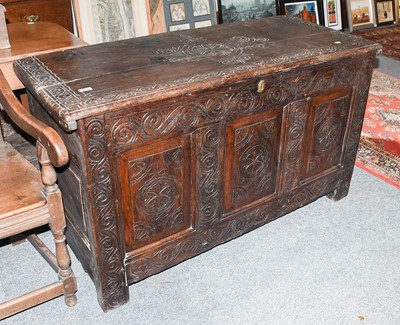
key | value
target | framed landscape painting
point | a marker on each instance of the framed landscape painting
(360, 14)
(240, 10)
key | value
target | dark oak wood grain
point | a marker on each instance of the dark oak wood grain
(182, 141)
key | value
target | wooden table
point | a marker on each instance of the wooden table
(55, 11)
(29, 39)
(182, 141)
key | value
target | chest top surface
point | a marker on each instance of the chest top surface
(83, 82)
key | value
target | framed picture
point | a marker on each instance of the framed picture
(310, 10)
(201, 7)
(186, 14)
(384, 11)
(333, 14)
(360, 14)
(100, 21)
(397, 4)
(177, 11)
(398, 10)
(239, 10)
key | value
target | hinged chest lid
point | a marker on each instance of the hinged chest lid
(92, 80)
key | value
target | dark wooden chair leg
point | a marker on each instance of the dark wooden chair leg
(57, 225)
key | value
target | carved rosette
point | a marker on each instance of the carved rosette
(105, 229)
(155, 194)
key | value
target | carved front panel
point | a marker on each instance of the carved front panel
(252, 158)
(247, 158)
(155, 188)
(327, 124)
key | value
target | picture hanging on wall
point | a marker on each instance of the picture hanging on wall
(177, 11)
(333, 14)
(100, 21)
(360, 14)
(187, 14)
(239, 10)
(311, 10)
(384, 12)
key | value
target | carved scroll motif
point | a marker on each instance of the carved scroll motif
(170, 254)
(236, 50)
(210, 174)
(356, 118)
(104, 225)
(130, 128)
(296, 118)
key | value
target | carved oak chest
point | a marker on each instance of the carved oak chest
(182, 141)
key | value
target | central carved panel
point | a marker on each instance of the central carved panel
(253, 149)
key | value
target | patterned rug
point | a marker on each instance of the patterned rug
(389, 37)
(379, 150)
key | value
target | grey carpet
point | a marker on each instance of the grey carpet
(326, 263)
(388, 65)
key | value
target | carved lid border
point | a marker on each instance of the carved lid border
(67, 106)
